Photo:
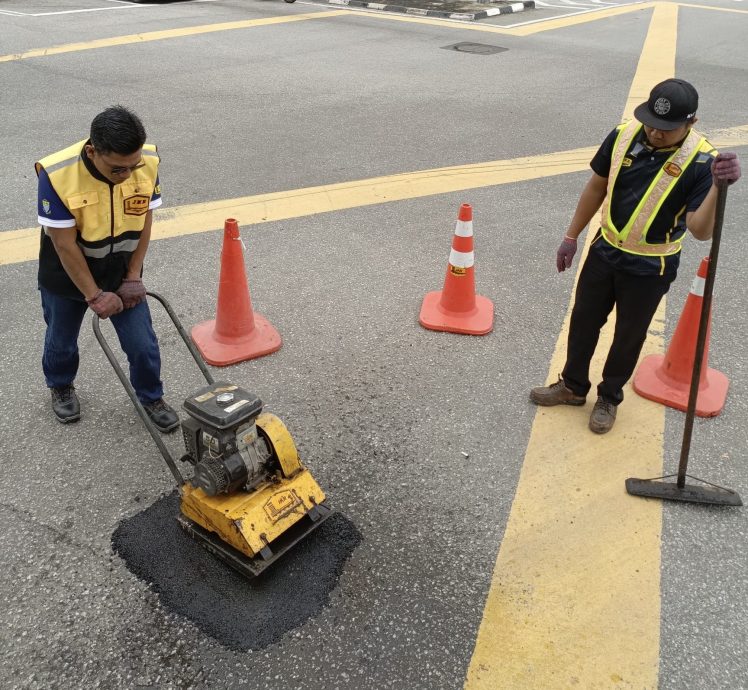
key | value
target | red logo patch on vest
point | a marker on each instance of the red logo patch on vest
(136, 205)
(673, 170)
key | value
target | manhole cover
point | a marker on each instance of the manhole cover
(477, 48)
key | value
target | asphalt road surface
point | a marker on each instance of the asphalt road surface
(335, 136)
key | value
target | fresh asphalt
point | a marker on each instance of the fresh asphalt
(418, 437)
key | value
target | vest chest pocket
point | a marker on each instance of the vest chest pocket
(136, 196)
(88, 213)
(84, 200)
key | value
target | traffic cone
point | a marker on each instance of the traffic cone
(237, 333)
(667, 379)
(457, 308)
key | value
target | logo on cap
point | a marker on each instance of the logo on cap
(662, 106)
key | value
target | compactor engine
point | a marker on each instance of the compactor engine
(222, 440)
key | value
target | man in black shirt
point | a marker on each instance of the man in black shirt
(655, 180)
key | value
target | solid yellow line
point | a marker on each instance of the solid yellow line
(23, 245)
(575, 596)
(166, 34)
(528, 30)
(113, 41)
(659, 43)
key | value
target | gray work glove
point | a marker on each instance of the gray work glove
(565, 254)
(105, 304)
(726, 167)
(131, 292)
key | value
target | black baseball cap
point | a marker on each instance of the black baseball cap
(671, 103)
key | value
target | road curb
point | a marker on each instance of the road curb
(419, 12)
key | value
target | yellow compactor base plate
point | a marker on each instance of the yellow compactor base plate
(251, 567)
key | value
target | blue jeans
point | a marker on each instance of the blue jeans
(134, 329)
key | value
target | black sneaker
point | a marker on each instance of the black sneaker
(65, 404)
(162, 415)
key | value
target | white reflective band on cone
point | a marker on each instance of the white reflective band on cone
(461, 259)
(697, 287)
(464, 228)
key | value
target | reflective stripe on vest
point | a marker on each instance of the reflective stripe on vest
(101, 252)
(633, 237)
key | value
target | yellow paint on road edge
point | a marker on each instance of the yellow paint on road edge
(550, 25)
(23, 245)
(526, 30)
(166, 34)
(575, 595)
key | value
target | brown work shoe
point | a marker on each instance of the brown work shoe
(556, 394)
(603, 417)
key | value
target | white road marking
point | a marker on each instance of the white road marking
(594, 8)
(123, 5)
(575, 3)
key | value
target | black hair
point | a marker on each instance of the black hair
(117, 130)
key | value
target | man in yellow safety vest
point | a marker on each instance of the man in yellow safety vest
(655, 178)
(95, 204)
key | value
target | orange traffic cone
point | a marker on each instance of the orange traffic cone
(667, 379)
(236, 334)
(457, 308)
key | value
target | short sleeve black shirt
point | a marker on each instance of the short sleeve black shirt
(642, 162)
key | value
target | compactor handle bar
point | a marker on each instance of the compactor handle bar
(131, 391)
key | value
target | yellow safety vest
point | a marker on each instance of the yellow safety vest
(632, 237)
(102, 211)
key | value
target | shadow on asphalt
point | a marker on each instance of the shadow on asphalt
(238, 613)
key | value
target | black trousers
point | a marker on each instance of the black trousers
(600, 287)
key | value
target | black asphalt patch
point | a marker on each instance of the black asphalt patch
(238, 613)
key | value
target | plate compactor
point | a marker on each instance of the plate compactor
(250, 499)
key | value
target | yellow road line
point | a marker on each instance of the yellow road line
(575, 596)
(527, 30)
(113, 41)
(168, 33)
(23, 245)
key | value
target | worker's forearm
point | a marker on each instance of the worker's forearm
(75, 266)
(589, 203)
(135, 266)
(701, 221)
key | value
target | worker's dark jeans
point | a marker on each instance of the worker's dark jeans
(636, 299)
(64, 316)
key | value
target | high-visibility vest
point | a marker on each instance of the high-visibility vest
(109, 218)
(632, 237)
